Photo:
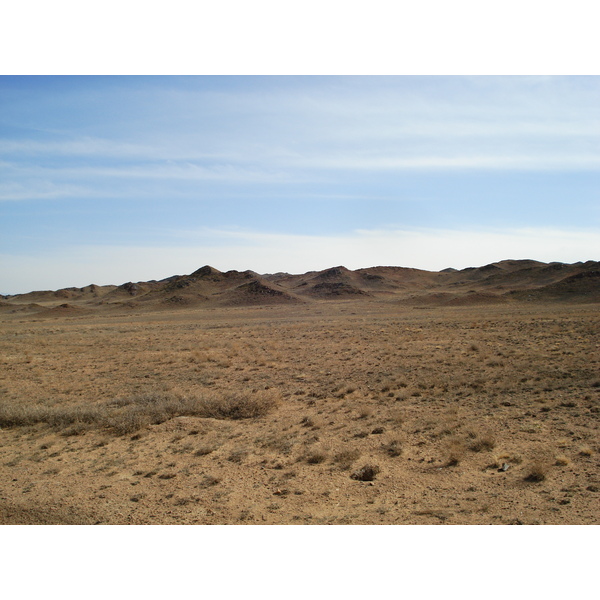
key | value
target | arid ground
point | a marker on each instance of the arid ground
(345, 410)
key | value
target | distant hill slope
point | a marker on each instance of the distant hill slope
(504, 281)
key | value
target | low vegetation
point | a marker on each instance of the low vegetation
(355, 412)
(127, 415)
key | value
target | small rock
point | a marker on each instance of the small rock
(504, 467)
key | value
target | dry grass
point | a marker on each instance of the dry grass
(366, 473)
(346, 458)
(455, 452)
(293, 402)
(537, 471)
(393, 447)
(562, 460)
(486, 441)
(127, 415)
(316, 456)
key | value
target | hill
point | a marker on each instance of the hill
(499, 282)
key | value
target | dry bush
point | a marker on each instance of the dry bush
(240, 405)
(537, 471)
(127, 415)
(366, 473)
(455, 452)
(392, 447)
(22, 415)
(345, 458)
(500, 459)
(586, 451)
(562, 460)
(243, 405)
(79, 418)
(238, 455)
(316, 456)
(206, 449)
(483, 442)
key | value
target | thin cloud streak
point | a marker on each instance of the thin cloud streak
(512, 163)
(285, 130)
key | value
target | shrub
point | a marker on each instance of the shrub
(127, 415)
(393, 448)
(204, 450)
(366, 473)
(537, 471)
(345, 458)
(209, 481)
(315, 457)
(128, 422)
(242, 405)
(484, 442)
(237, 455)
(455, 451)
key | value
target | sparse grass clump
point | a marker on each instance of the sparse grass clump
(315, 457)
(392, 448)
(345, 458)
(240, 405)
(238, 455)
(366, 473)
(455, 452)
(537, 471)
(484, 442)
(500, 459)
(204, 450)
(209, 481)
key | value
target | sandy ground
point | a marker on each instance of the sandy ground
(384, 415)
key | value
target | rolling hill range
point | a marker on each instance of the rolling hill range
(500, 282)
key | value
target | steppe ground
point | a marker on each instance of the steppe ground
(325, 413)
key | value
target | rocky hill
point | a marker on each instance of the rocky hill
(500, 282)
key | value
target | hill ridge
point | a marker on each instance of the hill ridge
(501, 281)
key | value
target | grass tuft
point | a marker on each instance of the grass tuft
(366, 473)
(537, 471)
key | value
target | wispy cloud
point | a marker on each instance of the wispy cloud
(29, 181)
(513, 162)
(45, 190)
(291, 129)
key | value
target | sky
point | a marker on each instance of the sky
(108, 179)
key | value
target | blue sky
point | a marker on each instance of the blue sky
(111, 179)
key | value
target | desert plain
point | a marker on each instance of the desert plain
(377, 396)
